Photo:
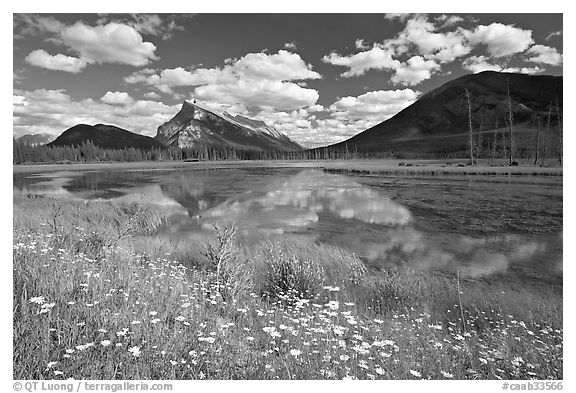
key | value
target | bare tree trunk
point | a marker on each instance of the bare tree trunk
(547, 136)
(470, 128)
(560, 131)
(479, 140)
(510, 123)
(504, 144)
(495, 142)
(536, 137)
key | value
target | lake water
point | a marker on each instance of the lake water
(484, 226)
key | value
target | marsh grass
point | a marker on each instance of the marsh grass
(95, 297)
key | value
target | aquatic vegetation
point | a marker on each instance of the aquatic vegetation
(125, 313)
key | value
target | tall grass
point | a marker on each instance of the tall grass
(95, 297)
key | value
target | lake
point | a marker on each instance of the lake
(506, 227)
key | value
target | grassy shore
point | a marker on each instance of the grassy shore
(401, 167)
(96, 296)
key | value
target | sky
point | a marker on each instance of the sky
(319, 78)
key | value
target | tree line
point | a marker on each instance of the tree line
(544, 142)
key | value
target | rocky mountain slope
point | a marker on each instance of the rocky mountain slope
(438, 120)
(105, 136)
(36, 139)
(196, 126)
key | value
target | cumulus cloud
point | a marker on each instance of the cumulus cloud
(117, 98)
(448, 21)
(374, 59)
(53, 111)
(60, 62)
(150, 24)
(110, 43)
(31, 24)
(263, 93)
(290, 45)
(500, 40)
(375, 105)
(153, 95)
(254, 80)
(420, 33)
(545, 55)
(478, 64)
(414, 71)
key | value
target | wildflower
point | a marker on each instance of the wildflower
(103, 330)
(415, 373)
(155, 320)
(118, 344)
(333, 305)
(152, 313)
(135, 351)
(58, 372)
(209, 340)
(50, 365)
(344, 358)
(250, 338)
(180, 318)
(483, 361)
(447, 375)
(37, 300)
(105, 343)
(295, 352)
(136, 322)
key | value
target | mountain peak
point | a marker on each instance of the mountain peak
(438, 120)
(196, 125)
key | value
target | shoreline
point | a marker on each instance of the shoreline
(357, 167)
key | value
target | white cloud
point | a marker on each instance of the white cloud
(357, 64)
(448, 21)
(60, 62)
(31, 24)
(414, 71)
(375, 106)
(153, 95)
(553, 34)
(420, 33)
(400, 17)
(117, 98)
(254, 80)
(290, 45)
(110, 43)
(545, 55)
(359, 44)
(500, 40)
(524, 70)
(53, 111)
(263, 93)
(150, 24)
(478, 64)
(283, 65)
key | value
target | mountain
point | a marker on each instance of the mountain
(196, 126)
(36, 139)
(105, 136)
(438, 120)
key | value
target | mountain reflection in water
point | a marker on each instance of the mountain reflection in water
(324, 207)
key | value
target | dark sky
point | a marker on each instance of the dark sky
(320, 78)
